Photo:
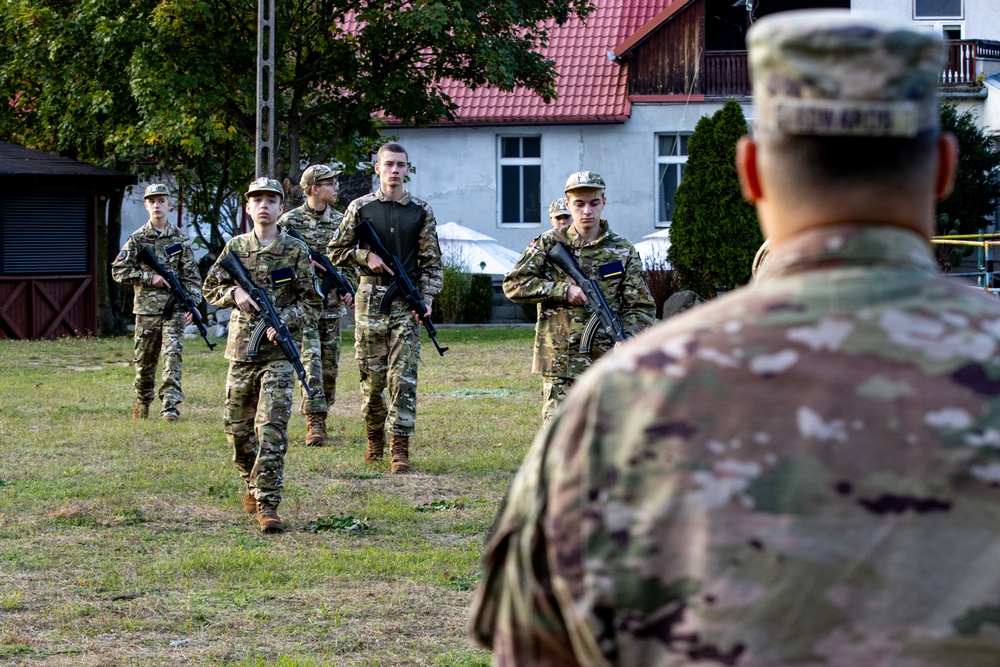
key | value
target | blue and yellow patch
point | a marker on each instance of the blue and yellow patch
(612, 270)
(282, 276)
(174, 250)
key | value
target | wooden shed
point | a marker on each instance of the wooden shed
(49, 271)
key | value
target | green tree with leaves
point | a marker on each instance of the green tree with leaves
(977, 183)
(714, 232)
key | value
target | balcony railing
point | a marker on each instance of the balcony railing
(727, 74)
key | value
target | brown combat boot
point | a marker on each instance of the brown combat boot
(249, 502)
(315, 429)
(400, 453)
(376, 445)
(140, 411)
(170, 416)
(267, 517)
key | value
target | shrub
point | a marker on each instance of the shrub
(479, 304)
(661, 280)
(449, 305)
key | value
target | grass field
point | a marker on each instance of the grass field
(124, 543)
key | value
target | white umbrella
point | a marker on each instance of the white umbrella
(654, 249)
(478, 253)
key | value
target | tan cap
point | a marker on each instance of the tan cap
(584, 180)
(841, 73)
(558, 208)
(156, 190)
(265, 184)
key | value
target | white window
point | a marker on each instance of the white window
(937, 9)
(671, 155)
(520, 180)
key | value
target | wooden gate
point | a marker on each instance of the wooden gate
(47, 307)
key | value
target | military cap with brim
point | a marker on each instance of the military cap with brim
(265, 184)
(841, 73)
(558, 208)
(317, 172)
(156, 190)
(584, 180)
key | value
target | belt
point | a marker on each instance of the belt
(383, 279)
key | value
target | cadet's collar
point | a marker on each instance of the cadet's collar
(577, 240)
(403, 201)
(848, 244)
(168, 230)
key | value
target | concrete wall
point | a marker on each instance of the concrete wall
(982, 18)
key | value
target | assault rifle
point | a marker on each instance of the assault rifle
(268, 318)
(601, 314)
(401, 285)
(177, 293)
(331, 277)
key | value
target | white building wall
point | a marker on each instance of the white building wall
(982, 17)
(457, 169)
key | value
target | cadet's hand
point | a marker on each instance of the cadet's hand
(190, 318)
(317, 266)
(271, 334)
(576, 296)
(244, 302)
(160, 281)
(348, 300)
(426, 315)
(376, 264)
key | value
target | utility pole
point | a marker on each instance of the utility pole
(264, 157)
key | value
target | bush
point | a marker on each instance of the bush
(479, 304)
(449, 305)
(661, 281)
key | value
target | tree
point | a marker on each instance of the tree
(171, 86)
(977, 183)
(714, 232)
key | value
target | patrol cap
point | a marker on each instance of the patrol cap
(840, 73)
(317, 172)
(265, 184)
(558, 208)
(584, 180)
(156, 190)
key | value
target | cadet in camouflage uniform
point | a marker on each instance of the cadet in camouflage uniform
(156, 336)
(803, 472)
(559, 215)
(315, 221)
(259, 389)
(562, 317)
(388, 345)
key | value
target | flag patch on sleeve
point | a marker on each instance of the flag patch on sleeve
(612, 270)
(282, 276)
(174, 250)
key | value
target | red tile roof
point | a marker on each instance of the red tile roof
(590, 88)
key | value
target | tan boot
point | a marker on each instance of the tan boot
(400, 453)
(315, 429)
(249, 502)
(376, 445)
(267, 517)
(140, 411)
(170, 416)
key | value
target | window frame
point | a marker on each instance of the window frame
(519, 162)
(959, 17)
(679, 159)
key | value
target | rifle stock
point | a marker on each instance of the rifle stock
(401, 285)
(177, 293)
(268, 318)
(601, 314)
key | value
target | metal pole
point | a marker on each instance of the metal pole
(264, 159)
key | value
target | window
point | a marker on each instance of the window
(43, 236)
(937, 9)
(520, 180)
(671, 154)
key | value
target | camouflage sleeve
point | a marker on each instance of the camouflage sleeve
(189, 275)
(638, 311)
(342, 248)
(219, 285)
(532, 279)
(308, 305)
(429, 256)
(126, 270)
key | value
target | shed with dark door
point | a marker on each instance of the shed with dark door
(49, 272)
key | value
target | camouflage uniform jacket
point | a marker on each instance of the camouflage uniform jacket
(428, 276)
(296, 300)
(613, 262)
(316, 229)
(803, 472)
(173, 250)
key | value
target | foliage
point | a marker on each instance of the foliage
(661, 281)
(439, 505)
(449, 304)
(479, 305)
(714, 233)
(463, 582)
(339, 524)
(977, 183)
(948, 255)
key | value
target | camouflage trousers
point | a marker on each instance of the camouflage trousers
(157, 338)
(321, 358)
(553, 394)
(258, 406)
(387, 347)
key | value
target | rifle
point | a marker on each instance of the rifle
(268, 318)
(600, 312)
(401, 285)
(331, 277)
(177, 293)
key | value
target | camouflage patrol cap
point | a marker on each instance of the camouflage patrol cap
(265, 184)
(832, 72)
(317, 172)
(584, 180)
(558, 208)
(156, 190)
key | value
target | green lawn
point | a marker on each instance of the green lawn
(124, 543)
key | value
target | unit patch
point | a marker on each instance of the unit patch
(612, 270)
(174, 250)
(282, 276)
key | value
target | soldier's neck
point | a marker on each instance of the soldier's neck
(159, 224)
(265, 233)
(315, 204)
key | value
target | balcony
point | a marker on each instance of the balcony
(727, 74)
